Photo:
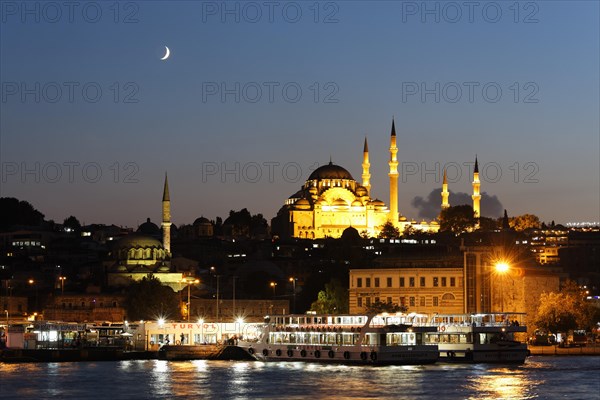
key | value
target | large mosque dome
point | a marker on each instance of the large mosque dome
(330, 171)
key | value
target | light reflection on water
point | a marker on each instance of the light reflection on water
(539, 378)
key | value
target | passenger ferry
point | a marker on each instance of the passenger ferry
(479, 338)
(361, 339)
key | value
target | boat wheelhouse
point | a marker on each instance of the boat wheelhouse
(479, 338)
(363, 339)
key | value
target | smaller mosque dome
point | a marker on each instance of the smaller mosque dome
(148, 228)
(302, 204)
(201, 221)
(138, 241)
(356, 203)
(361, 191)
(403, 218)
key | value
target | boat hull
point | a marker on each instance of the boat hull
(392, 355)
(498, 355)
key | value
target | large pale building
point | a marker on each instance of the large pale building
(331, 201)
(425, 278)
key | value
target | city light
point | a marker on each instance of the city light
(502, 267)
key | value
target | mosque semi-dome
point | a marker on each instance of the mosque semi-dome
(330, 171)
(302, 204)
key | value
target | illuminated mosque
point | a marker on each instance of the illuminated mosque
(136, 255)
(330, 201)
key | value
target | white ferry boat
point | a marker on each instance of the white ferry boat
(479, 338)
(361, 339)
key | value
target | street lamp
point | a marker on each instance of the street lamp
(273, 285)
(293, 280)
(32, 282)
(62, 284)
(502, 268)
(189, 280)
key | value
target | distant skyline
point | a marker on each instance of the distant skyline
(91, 118)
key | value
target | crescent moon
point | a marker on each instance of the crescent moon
(167, 53)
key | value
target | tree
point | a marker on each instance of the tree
(487, 224)
(332, 300)
(72, 223)
(148, 299)
(457, 219)
(380, 307)
(564, 310)
(15, 212)
(388, 231)
(525, 221)
(409, 231)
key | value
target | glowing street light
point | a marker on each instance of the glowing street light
(273, 285)
(293, 280)
(189, 280)
(32, 282)
(502, 268)
(62, 284)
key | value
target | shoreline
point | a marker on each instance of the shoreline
(593, 350)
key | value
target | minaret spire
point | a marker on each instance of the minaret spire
(166, 216)
(476, 187)
(445, 192)
(393, 174)
(366, 175)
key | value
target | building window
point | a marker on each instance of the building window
(422, 281)
(376, 299)
(435, 301)
(444, 282)
(367, 282)
(452, 282)
(436, 281)
(403, 301)
(422, 301)
(376, 282)
(401, 282)
(412, 301)
(411, 282)
(389, 300)
(368, 301)
(359, 302)
(358, 282)
(389, 282)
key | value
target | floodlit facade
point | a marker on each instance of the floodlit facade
(420, 289)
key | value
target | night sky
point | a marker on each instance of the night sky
(256, 95)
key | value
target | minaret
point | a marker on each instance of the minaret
(476, 196)
(445, 193)
(366, 176)
(393, 177)
(166, 217)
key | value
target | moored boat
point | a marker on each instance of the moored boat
(479, 338)
(360, 339)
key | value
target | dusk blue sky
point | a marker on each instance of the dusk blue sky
(542, 134)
